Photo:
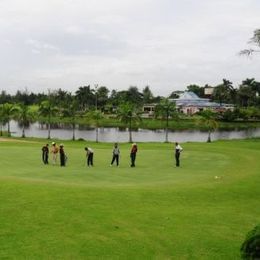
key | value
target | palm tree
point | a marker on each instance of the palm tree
(8, 111)
(85, 96)
(254, 40)
(2, 119)
(224, 93)
(209, 121)
(71, 111)
(95, 116)
(128, 114)
(46, 109)
(24, 116)
(166, 109)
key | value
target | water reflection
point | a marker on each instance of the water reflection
(116, 135)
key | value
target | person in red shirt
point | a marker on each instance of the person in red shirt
(133, 154)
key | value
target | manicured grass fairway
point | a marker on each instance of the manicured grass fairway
(153, 211)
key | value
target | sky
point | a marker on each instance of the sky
(166, 44)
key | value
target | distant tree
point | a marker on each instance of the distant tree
(128, 114)
(147, 95)
(112, 99)
(224, 93)
(47, 109)
(22, 97)
(208, 119)
(118, 97)
(37, 98)
(5, 98)
(134, 96)
(8, 111)
(24, 116)
(70, 111)
(166, 110)
(248, 92)
(94, 117)
(102, 97)
(60, 98)
(199, 91)
(2, 119)
(86, 97)
(255, 40)
(175, 94)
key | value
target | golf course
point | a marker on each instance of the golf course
(200, 210)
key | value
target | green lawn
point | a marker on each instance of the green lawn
(153, 211)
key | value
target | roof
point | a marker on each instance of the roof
(191, 96)
(190, 99)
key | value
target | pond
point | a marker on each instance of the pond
(141, 135)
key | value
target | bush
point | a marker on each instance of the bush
(228, 116)
(250, 249)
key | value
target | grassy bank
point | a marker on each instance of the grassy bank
(152, 211)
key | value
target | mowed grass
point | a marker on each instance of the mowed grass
(153, 211)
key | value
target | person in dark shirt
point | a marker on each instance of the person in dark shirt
(133, 154)
(178, 150)
(45, 154)
(90, 155)
(62, 156)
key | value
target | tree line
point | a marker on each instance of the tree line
(125, 105)
(247, 94)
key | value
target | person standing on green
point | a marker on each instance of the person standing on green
(178, 150)
(54, 151)
(133, 154)
(116, 153)
(62, 155)
(45, 154)
(90, 155)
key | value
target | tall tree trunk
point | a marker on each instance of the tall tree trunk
(130, 131)
(49, 127)
(8, 128)
(209, 137)
(73, 131)
(96, 134)
(23, 132)
(166, 129)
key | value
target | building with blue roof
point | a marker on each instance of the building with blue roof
(189, 103)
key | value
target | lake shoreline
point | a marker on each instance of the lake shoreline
(110, 135)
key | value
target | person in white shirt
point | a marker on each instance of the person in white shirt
(90, 154)
(116, 153)
(178, 150)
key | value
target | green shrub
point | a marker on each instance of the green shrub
(250, 249)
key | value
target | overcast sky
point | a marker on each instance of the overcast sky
(166, 44)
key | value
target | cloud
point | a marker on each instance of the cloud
(167, 44)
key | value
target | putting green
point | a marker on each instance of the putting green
(201, 210)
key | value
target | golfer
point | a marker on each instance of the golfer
(89, 155)
(62, 155)
(178, 150)
(115, 153)
(45, 154)
(54, 151)
(133, 154)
